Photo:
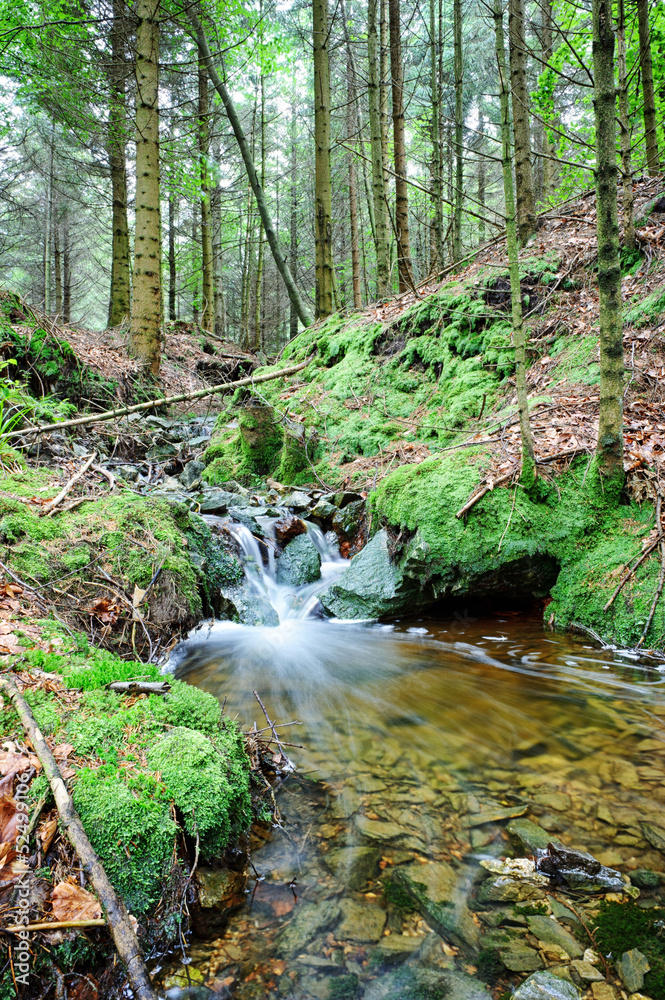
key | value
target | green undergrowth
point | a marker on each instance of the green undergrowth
(620, 927)
(147, 768)
(123, 536)
(563, 537)
(647, 309)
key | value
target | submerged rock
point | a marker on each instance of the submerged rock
(435, 892)
(221, 893)
(360, 921)
(549, 931)
(310, 920)
(299, 563)
(546, 986)
(353, 865)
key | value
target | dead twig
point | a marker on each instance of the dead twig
(122, 932)
(661, 580)
(48, 509)
(624, 579)
(54, 925)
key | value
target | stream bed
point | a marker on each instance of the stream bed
(425, 746)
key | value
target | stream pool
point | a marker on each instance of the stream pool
(422, 741)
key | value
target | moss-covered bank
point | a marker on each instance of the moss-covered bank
(565, 537)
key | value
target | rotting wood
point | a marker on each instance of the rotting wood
(124, 938)
(183, 397)
(49, 508)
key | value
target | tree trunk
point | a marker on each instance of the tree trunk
(353, 186)
(48, 223)
(649, 103)
(547, 46)
(66, 272)
(526, 205)
(519, 339)
(609, 447)
(459, 127)
(381, 241)
(404, 267)
(269, 229)
(116, 142)
(482, 176)
(144, 338)
(625, 132)
(173, 315)
(195, 272)
(258, 291)
(322, 184)
(384, 106)
(437, 180)
(220, 304)
(58, 270)
(207, 281)
(293, 227)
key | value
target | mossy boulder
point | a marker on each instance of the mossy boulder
(299, 563)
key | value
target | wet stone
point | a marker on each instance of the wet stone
(242, 516)
(546, 986)
(644, 878)
(298, 501)
(323, 510)
(299, 563)
(375, 829)
(553, 800)
(191, 474)
(586, 972)
(287, 528)
(521, 958)
(527, 837)
(507, 890)
(655, 835)
(309, 921)
(218, 502)
(632, 967)
(434, 891)
(396, 948)
(548, 930)
(360, 921)
(353, 865)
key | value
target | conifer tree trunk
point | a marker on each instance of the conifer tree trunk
(384, 104)
(404, 267)
(519, 339)
(625, 132)
(66, 272)
(648, 98)
(482, 176)
(144, 338)
(220, 301)
(322, 182)
(459, 126)
(378, 187)
(609, 447)
(258, 290)
(58, 270)
(172, 261)
(119, 301)
(437, 179)
(526, 203)
(547, 45)
(48, 223)
(207, 281)
(353, 188)
(293, 222)
(195, 271)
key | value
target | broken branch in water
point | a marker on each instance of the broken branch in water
(183, 397)
(123, 934)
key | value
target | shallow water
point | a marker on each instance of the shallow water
(419, 740)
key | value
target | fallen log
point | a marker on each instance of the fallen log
(124, 938)
(183, 397)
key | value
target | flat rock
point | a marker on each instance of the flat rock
(527, 837)
(521, 958)
(360, 921)
(586, 972)
(548, 930)
(218, 502)
(546, 986)
(375, 829)
(309, 920)
(655, 835)
(508, 890)
(353, 865)
(396, 948)
(435, 892)
(297, 501)
(632, 967)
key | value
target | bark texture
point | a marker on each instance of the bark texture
(625, 133)
(116, 143)
(437, 179)
(526, 203)
(519, 339)
(648, 97)
(322, 182)
(145, 339)
(404, 267)
(381, 242)
(208, 286)
(609, 447)
(459, 128)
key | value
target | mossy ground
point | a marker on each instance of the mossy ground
(620, 927)
(147, 767)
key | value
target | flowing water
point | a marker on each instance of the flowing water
(420, 740)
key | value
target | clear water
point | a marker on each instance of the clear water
(411, 733)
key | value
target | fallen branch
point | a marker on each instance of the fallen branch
(183, 397)
(48, 509)
(626, 578)
(106, 473)
(123, 934)
(54, 925)
(139, 687)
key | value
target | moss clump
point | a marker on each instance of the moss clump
(45, 710)
(343, 988)
(647, 309)
(489, 965)
(396, 894)
(208, 781)
(130, 828)
(622, 926)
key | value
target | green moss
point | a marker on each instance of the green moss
(45, 710)
(648, 309)
(489, 965)
(343, 988)
(576, 359)
(619, 927)
(396, 894)
(130, 828)
(568, 536)
(209, 783)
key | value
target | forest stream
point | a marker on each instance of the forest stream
(425, 745)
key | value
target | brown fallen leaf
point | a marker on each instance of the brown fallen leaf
(8, 820)
(47, 831)
(70, 902)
